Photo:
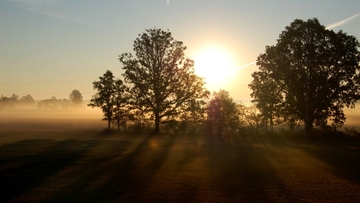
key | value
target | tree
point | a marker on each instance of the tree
(121, 104)
(54, 104)
(109, 90)
(310, 75)
(76, 98)
(9, 102)
(267, 97)
(27, 101)
(192, 116)
(251, 116)
(222, 113)
(161, 78)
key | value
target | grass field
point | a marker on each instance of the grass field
(52, 163)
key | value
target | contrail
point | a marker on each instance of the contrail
(244, 66)
(342, 22)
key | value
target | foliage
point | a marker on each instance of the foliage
(9, 102)
(161, 78)
(222, 113)
(352, 131)
(76, 98)
(109, 97)
(267, 98)
(27, 101)
(310, 75)
(192, 116)
(189, 120)
(53, 104)
(122, 108)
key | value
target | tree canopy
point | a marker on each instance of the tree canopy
(222, 113)
(76, 98)
(109, 96)
(161, 78)
(310, 75)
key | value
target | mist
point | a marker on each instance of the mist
(31, 123)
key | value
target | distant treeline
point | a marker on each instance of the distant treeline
(28, 102)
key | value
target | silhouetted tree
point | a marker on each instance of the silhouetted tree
(121, 100)
(9, 102)
(27, 101)
(267, 97)
(109, 91)
(76, 98)
(310, 75)
(161, 78)
(64, 103)
(222, 113)
(191, 116)
(251, 116)
(53, 104)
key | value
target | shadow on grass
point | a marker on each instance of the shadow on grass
(26, 164)
(121, 173)
(342, 154)
(156, 168)
(243, 173)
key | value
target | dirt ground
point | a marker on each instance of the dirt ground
(70, 160)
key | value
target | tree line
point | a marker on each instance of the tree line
(14, 102)
(306, 79)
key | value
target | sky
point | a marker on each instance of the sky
(51, 47)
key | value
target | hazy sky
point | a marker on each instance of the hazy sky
(50, 47)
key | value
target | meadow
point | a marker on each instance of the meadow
(71, 160)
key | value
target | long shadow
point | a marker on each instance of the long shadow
(243, 174)
(122, 175)
(343, 156)
(136, 170)
(95, 183)
(25, 164)
(133, 176)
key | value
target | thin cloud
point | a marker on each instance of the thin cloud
(47, 8)
(342, 22)
(247, 65)
(244, 66)
(33, 4)
(167, 2)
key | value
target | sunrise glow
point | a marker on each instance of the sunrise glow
(215, 65)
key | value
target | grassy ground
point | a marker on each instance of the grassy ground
(86, 166)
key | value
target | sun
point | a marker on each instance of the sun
(216, 66)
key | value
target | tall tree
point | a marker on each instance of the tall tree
(76, 98)
(313, 71)
(162, 78)
(267, 97)
(222, 113)
(108, 93)
(121, 100)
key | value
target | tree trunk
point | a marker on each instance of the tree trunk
(271, 124)
(109, 117)
(157, 122)
(308, 127)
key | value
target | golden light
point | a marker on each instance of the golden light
(216, 65)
